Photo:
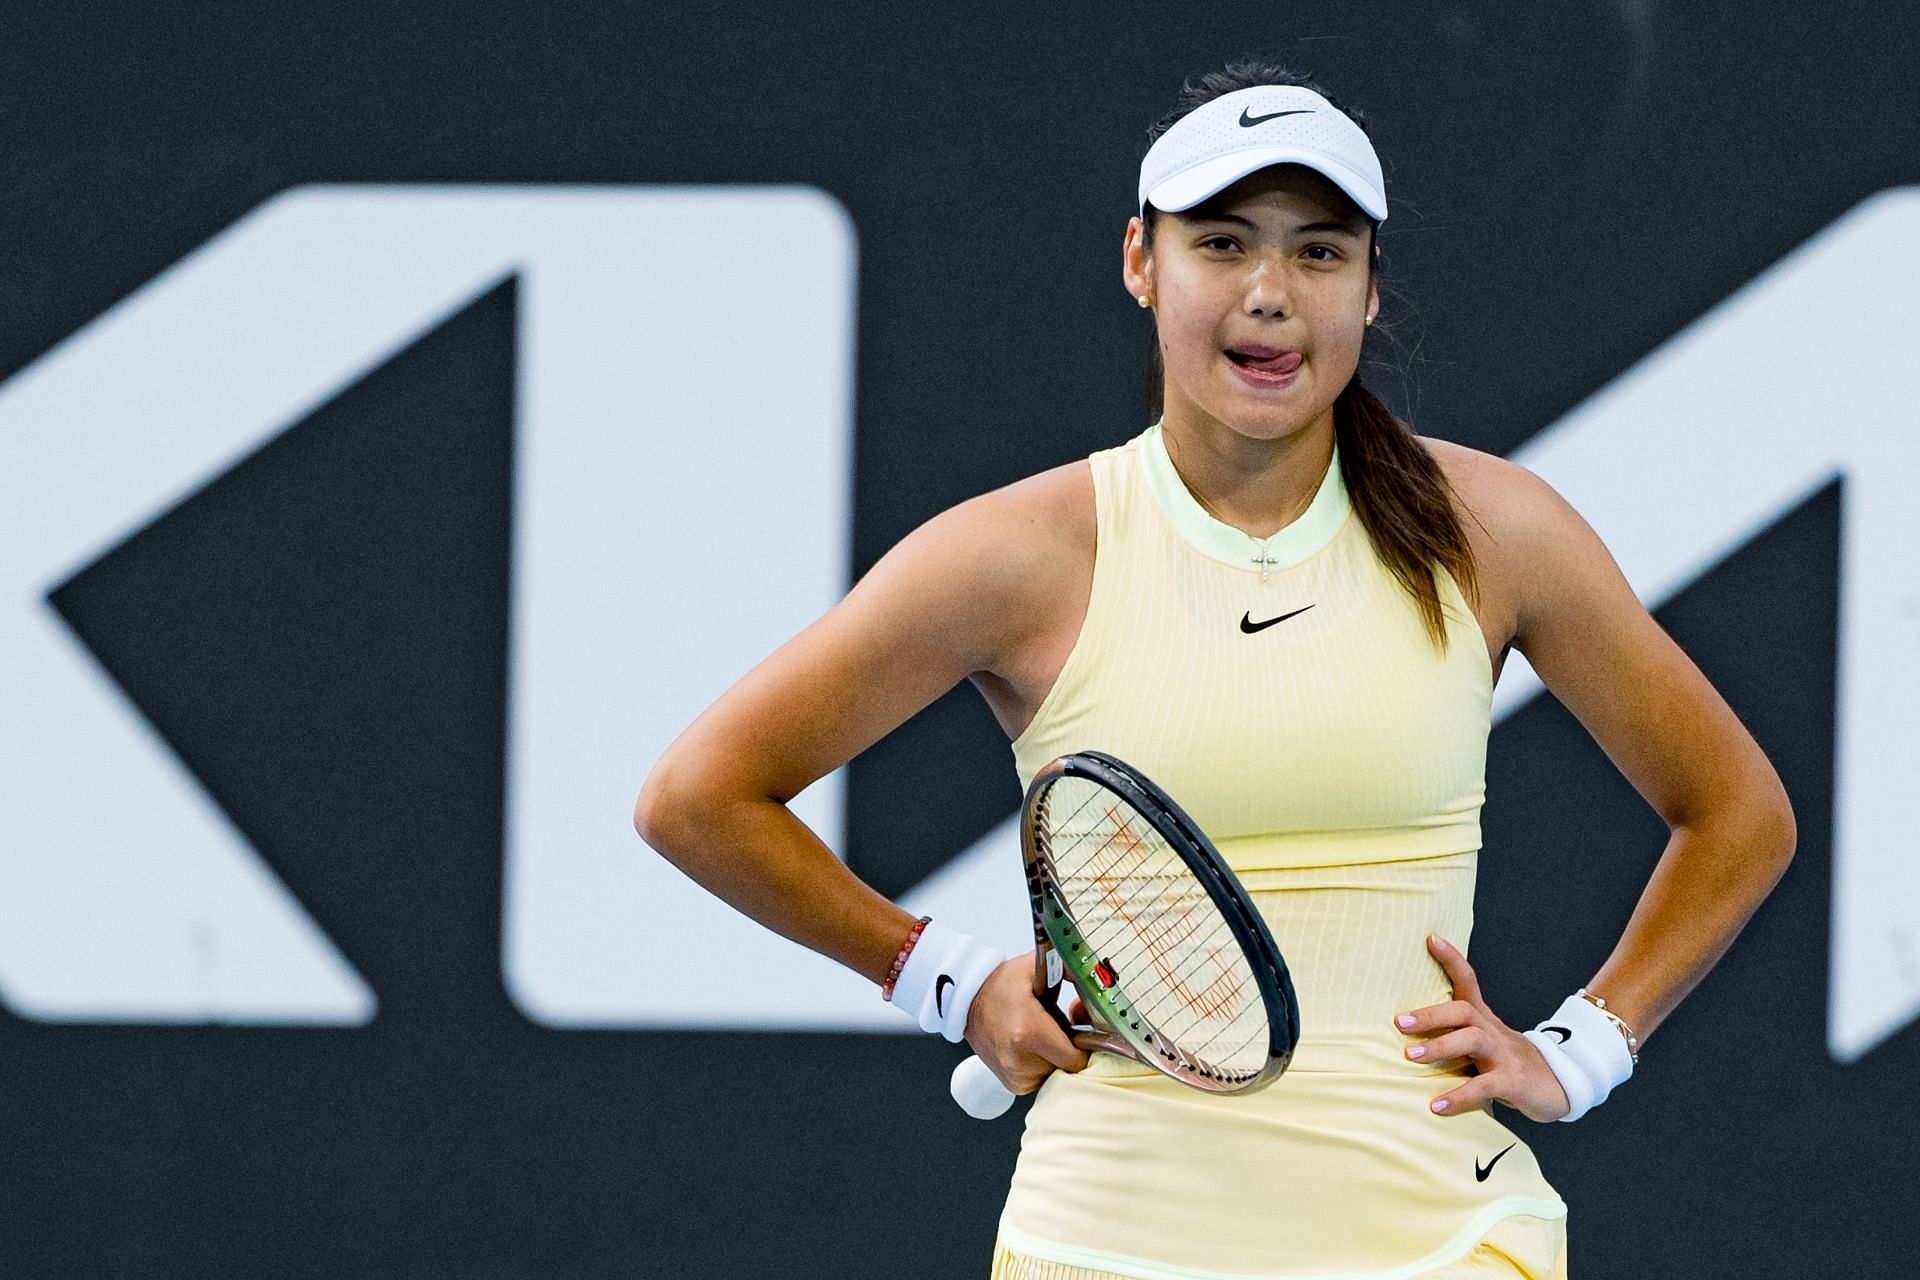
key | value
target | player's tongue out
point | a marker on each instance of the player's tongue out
(1265, 359)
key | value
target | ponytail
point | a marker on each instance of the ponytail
(1404, 502)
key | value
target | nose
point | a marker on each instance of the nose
(1266, 291)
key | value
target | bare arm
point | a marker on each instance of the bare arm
(950, 599)
(1667, 730)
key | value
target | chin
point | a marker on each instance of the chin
(1253, 415)
(1261, 431)
(1260, 415)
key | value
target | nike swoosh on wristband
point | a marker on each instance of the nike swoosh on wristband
(1248, 625)
(1479, 1174)
(1566, 1033)
(1247, 121)
(940, 986)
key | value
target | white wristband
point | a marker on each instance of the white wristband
(1588, 1054)
(943, 973)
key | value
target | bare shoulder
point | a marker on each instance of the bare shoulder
(1039, 532)
(1517, 528)
(1046, 515)
(1001, 558)
(965, 592)
(1592, 642)
(1512, 515)
(1032, 546)
(1548, 561)
(1492, 489)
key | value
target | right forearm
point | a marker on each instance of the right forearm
(761, 859)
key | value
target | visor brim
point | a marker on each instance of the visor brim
(1189, 187)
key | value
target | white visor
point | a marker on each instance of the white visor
(1217, 144)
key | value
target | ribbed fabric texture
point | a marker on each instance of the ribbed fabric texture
(1337, 760)
(1494, 1257)
(1334, 737)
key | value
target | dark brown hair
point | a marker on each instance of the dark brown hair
(1398, 491)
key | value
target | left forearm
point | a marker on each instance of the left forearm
(1714, 874)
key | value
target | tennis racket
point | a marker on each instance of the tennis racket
(1132, 902)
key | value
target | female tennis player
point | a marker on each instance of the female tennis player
(1288, 610)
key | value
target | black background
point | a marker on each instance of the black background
(1570, 186)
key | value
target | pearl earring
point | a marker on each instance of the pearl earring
(1145, 301)
(1369, 319)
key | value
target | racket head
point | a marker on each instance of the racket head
(1134, 905)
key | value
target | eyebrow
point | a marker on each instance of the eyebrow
(1305, 228)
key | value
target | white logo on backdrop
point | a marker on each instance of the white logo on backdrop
(1799, 378)
(126, 895)
(681, 505)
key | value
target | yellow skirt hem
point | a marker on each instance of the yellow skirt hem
(1500, 1251)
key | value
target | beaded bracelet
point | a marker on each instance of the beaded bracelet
(899, 961)
(1633, 1041)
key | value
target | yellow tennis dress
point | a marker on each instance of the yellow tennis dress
(1338, 762)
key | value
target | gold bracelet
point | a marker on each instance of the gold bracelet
(1633, 1041)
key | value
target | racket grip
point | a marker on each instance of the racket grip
(979, 1091)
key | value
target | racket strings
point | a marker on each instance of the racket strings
(1151, 922)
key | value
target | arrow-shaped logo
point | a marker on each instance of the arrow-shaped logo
(126, 894)
(1800, 377)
